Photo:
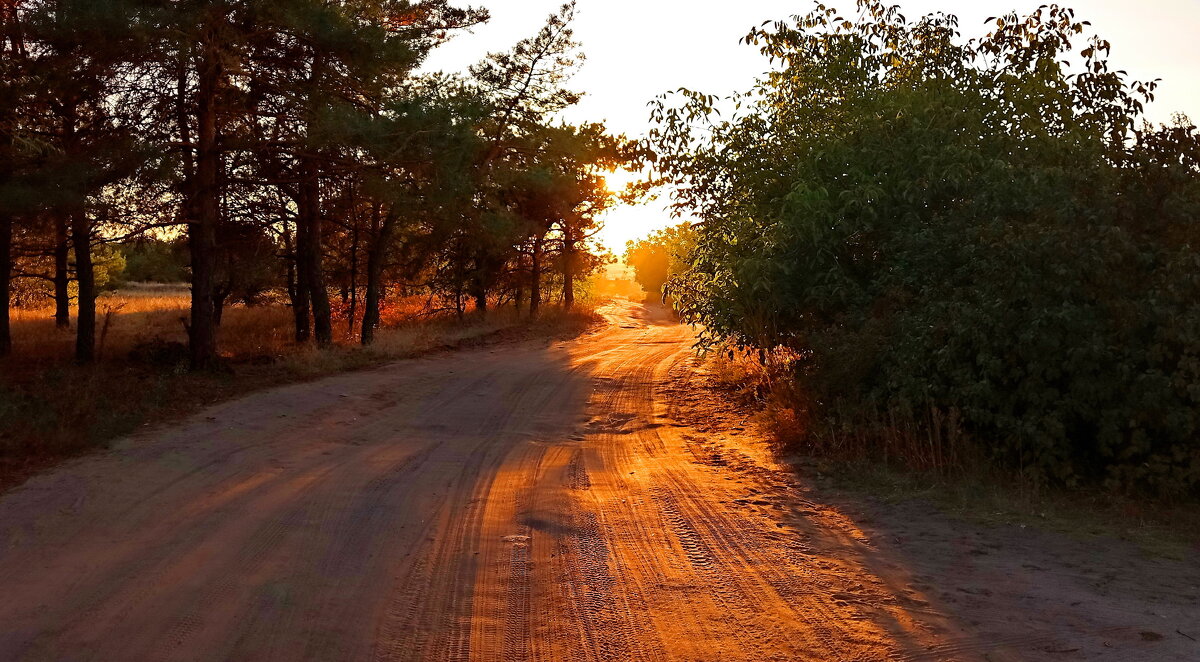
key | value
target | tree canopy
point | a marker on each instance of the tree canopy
(292, 146)
(985, 232)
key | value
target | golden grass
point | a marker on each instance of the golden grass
(140, 314)
(124, 318)
(51, 408)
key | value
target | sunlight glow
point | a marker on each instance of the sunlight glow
(1151, 40)
(618, 180)
(625, 222)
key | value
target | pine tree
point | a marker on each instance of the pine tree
(74, 50)
(11, 79)
(332, 66)
(194, 63)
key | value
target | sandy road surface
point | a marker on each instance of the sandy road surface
(551, 501)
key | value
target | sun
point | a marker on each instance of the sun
(618, 180)
(630, 219)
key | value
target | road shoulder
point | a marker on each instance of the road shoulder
(996, 591)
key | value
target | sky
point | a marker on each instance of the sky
(638, 49)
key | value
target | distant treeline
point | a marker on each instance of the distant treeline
(660, 255)
(293, 145)
(967, 248)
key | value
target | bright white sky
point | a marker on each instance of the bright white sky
(638, 49)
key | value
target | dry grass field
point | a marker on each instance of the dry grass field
(143, 313)
(51, 408)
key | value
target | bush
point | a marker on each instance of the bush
(149, 260)
(936, 226)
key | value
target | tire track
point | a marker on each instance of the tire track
(536, 501)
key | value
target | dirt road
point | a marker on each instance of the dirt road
(546, 501)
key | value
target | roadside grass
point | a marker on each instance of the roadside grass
(895, 464)
(145, 313)
(52, 409)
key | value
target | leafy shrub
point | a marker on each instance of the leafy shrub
(150, 260)
(976, 228)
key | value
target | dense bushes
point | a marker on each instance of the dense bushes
(155, 261)
(973, 228)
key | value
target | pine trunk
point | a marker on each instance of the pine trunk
(81, 242)
(297, 287)
(85, 324)
(309, 264)
(6, 232)
(62, 258)
(202, 232)
(535, 279)
(519, 277)
(376, 256)
(480, 281)
(371, 310)
(220, 296)
(479, 293)
(309, 209)
(568, 272)
(352, 309)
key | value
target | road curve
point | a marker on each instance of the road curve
(541, 500)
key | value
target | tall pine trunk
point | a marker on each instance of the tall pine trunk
(309, 263)
(371, 308)
(302, 306)
(297, 286)
(220, 296)
(479, 290)
(310, 270)
(6, 232)
(62, 253)
(8, 120)
(353, 308)
(81, 242)
(85, 324)
(535, 278)
(519, 292)
(568, 271)
(376, 256)
(202, 231)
